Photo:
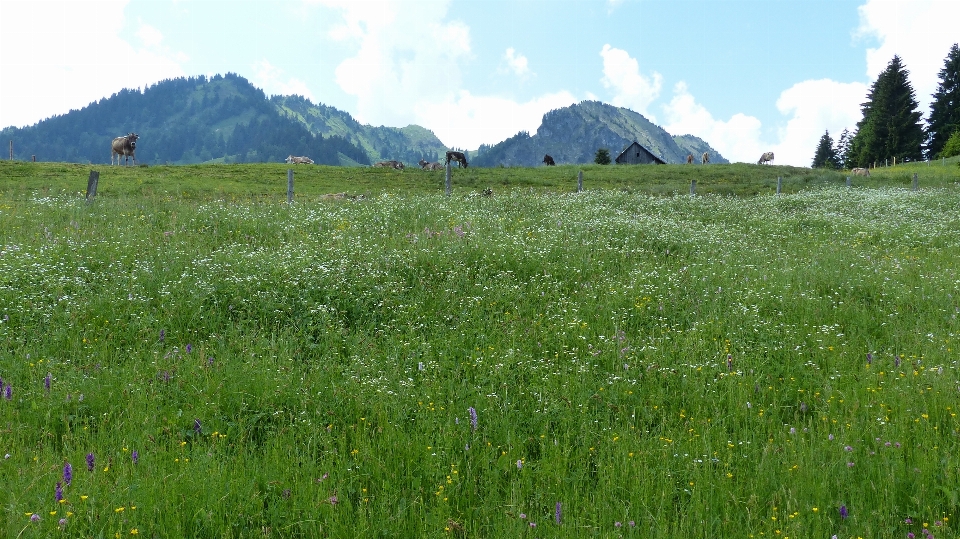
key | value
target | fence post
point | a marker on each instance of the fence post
(693, 187)
(92, 185)
(916, 182)
(848, 181)
(779, 184)
(448, 182)
(289, 186)
(33, 158)
(11, 149)
(580, 181)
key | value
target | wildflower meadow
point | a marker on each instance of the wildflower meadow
(537, 363)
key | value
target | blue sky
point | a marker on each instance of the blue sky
(747, 76)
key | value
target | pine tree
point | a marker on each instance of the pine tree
(890, 128)
(602, 157)
(945, 108)
(842, 149)
(826, 155)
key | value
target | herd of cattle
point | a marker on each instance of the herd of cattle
(126, 147)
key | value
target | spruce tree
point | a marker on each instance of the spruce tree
(602, 157)
(890, 128)
(945, 108)
(826, 155)
(842, 149)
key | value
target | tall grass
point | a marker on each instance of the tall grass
(646, 366)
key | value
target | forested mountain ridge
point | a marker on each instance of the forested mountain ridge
(574, 134)
(180, 121)
(408, 144)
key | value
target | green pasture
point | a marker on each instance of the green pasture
(629, 361)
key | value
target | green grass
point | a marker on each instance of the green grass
(710, 366)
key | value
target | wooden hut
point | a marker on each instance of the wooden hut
(635, 154)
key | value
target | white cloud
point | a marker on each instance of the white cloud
(150, 36)
(921, 32)
(812, 107)
(516, 62)
(632, 90)
(273, 81)
(61, 55)
(467, 120)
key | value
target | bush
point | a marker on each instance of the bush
(952, 147)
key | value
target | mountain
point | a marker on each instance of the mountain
(408, 144)
(180, 121)
(574, 134)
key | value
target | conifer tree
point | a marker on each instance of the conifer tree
(602, 157)
(945, 108)
(890, 128)
(826, 155)
(842, 149)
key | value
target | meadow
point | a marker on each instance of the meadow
(187, 355)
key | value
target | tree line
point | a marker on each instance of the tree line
(892, 127)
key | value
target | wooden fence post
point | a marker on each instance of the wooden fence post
(848, 181)
(289, 186)
(693, 187)
(580, 181)
(33, 158)
(11, 149)
(916, 182)
(779, 184)
(92, 185)
(447, 184)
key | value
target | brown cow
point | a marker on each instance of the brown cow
(125, 146)
(689, 158)
(860, 172)
(458, 157)
(765, 158)
(549, 161)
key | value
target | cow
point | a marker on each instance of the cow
(294, 160)
(434, 166)
(423, 164)
(458, 157)
(390, 164)
(860, 172)
(549, 161)
(125, 146)
(765, 158)
(689, 158)
(705, 158)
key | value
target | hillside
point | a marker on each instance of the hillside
(182, 121)
(573, 135)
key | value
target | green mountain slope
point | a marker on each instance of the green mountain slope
(573, 135)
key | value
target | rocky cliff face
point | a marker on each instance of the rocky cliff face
(575, 133)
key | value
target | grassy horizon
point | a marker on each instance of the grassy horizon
(538, 363)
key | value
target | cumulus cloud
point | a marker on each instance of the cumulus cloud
(631, 89)
(517, 63)
(274, 81)
(61, 55)
(921, 32)
(810, 106)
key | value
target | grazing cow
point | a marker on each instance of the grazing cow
(423, 164)
(458, 157)
(860, 172)
(765, 158)
(294, 160)
(549, 161)
(689, 158)
(125, 146)
(434, 166)
(705, 158)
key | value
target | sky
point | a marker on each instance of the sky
(747, 76)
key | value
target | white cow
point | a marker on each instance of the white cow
(765, 158)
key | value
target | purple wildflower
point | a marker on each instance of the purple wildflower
(210, 361)
(333, 500)
(910, 535)
(8, 392)
(473, 417)
(90, 462)
(830, 437)
(843, 512)
(46, 382)
(803, 407)
(869, 358)
(134, 456)
(62, 523)
(849, 465)
(519, 464)
(58, 492)
(617, 524)
(163, 335)
(67, 473)
(729, 362)
(189, 348)
(523, 516)
(632, 523)
(847, 448)
(533, 524)
(896, 361)
(196, 426)
(34, 518)
(556, 514)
